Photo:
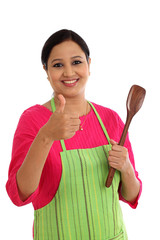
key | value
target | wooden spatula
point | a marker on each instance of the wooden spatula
(134, 102)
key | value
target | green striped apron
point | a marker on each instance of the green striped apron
(83, 208)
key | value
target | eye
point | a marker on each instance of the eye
(57, 65)
(77, 62)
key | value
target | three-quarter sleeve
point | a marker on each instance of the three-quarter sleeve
(23, 138)
(127, 144)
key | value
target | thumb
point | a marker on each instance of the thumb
(113, 142)
(62, 104)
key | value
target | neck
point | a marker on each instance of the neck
(77, 104)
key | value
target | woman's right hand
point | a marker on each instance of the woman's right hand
(61, 125)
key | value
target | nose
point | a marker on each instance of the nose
(68, 71)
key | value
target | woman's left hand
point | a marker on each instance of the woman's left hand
(118, 157)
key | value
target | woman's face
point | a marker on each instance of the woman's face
(68, 69)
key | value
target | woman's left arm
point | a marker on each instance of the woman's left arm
(119, 159)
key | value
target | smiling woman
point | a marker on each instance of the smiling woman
(68, 69)
(63, 170)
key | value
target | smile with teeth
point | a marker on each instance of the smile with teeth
(70, 82)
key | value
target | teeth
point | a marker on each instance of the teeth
(71, 81)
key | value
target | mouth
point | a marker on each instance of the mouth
(70, 82)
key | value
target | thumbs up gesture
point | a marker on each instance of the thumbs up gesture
(62, 100)
(62, 125)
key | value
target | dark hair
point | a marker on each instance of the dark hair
(59, 37)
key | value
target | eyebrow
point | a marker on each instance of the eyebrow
(77, 57)
(60, 59)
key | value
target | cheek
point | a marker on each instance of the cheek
(84, 71)
(53, 75)
(53, 78)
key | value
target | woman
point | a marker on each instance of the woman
(62, 151)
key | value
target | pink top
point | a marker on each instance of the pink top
(92, 136)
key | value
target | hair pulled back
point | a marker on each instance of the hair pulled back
(59, 37)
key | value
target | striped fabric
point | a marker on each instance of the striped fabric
(83, 208)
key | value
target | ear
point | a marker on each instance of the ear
(44, 67)
(45, 71)
(89, 62)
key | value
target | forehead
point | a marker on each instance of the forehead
(66, 49)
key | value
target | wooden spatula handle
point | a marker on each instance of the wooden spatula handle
(121, 143)
(110, 177)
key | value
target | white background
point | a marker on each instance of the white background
(124, 40)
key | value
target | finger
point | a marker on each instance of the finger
(74, 116)
(117, 154)
(113, 142)
(113, 159)
(60, 108)
(75, 122)
(119, 149)
(75, 128)
(71, 134)
(114, 165)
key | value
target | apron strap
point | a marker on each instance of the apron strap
(101, 123)
(63, 145)
(99, 119)
(53, 105)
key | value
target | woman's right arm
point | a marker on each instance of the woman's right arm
(59, 126)
(28, 175)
